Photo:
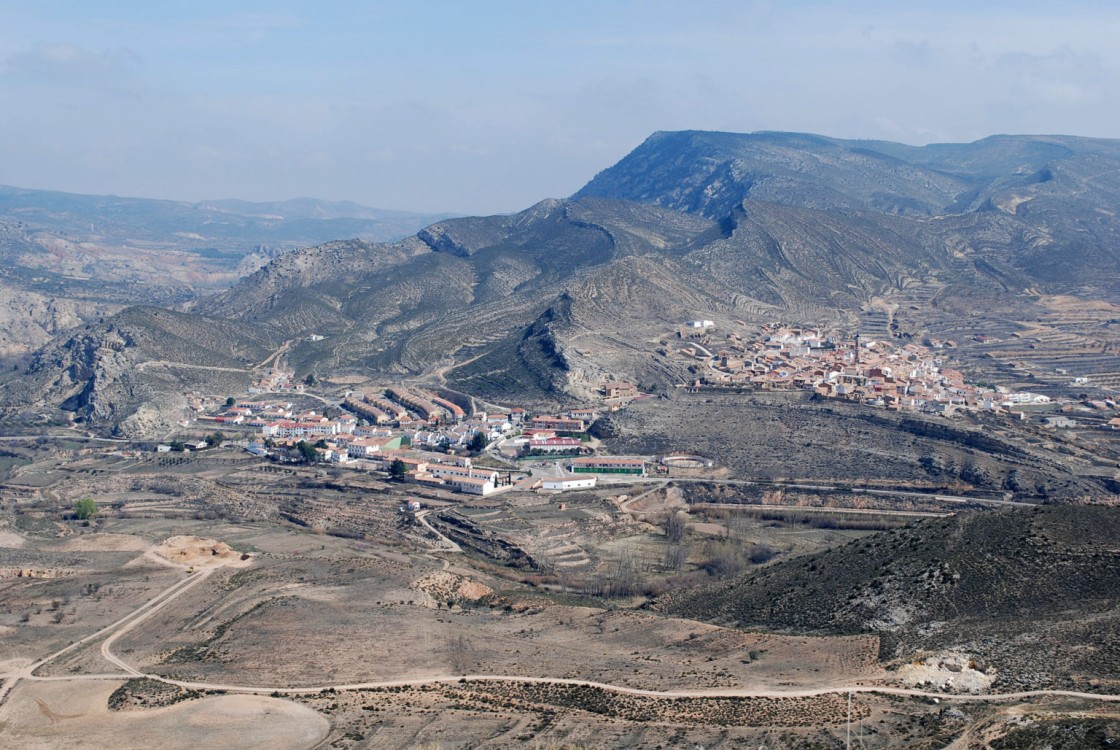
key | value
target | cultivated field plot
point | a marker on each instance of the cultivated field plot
(564, 533)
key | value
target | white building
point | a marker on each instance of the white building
(470, 485)
(569, 482)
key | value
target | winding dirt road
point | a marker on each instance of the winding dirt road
(117, 629)
(125, 624)
(447, 544)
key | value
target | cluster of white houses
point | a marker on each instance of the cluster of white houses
(874, 372)
(274, 380)
(378, 428)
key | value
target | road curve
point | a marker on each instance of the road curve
(141, 612)
(165, 597)
(448, 544)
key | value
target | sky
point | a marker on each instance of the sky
(489, 107)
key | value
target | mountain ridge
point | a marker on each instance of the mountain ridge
(682, 234)
(68, 258)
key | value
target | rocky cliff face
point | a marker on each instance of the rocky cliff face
(28, 320)
(130, 373)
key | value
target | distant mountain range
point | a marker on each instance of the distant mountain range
(66, 259)
(227, 227)
(1007, 235)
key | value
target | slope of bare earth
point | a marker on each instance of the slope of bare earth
(76, 714)
(279, 623)
(316, 610)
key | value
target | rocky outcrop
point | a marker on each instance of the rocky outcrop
(129, 373)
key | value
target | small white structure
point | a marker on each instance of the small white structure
(702, 324)
(470, 485)
(163, 449)
(1018, 399)
(569, 482)
(1059, 421)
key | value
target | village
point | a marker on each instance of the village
(443, 441)
(909, 376)
(417, 436)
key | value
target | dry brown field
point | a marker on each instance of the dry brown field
(226, 602)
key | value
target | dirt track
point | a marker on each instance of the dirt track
(130, 621)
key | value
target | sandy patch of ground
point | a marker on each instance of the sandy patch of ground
(656, 502)
(1011, 204)
(196, 552)
(951, 671)
(11, 540)
(444, 587)
(709, 529)
(76, 714)
(12, 665)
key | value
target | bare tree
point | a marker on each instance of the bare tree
(676, 555)
(623, 577)
(674, 528)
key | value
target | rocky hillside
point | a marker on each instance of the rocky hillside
(68, 259)
(799, 437)
(1007, 236)
(29, 320)
(130, 372)
(1060, 191)
(1029, 592)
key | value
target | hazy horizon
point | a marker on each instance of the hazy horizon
(439, 107)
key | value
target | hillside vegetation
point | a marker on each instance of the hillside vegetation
(1034, 593)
